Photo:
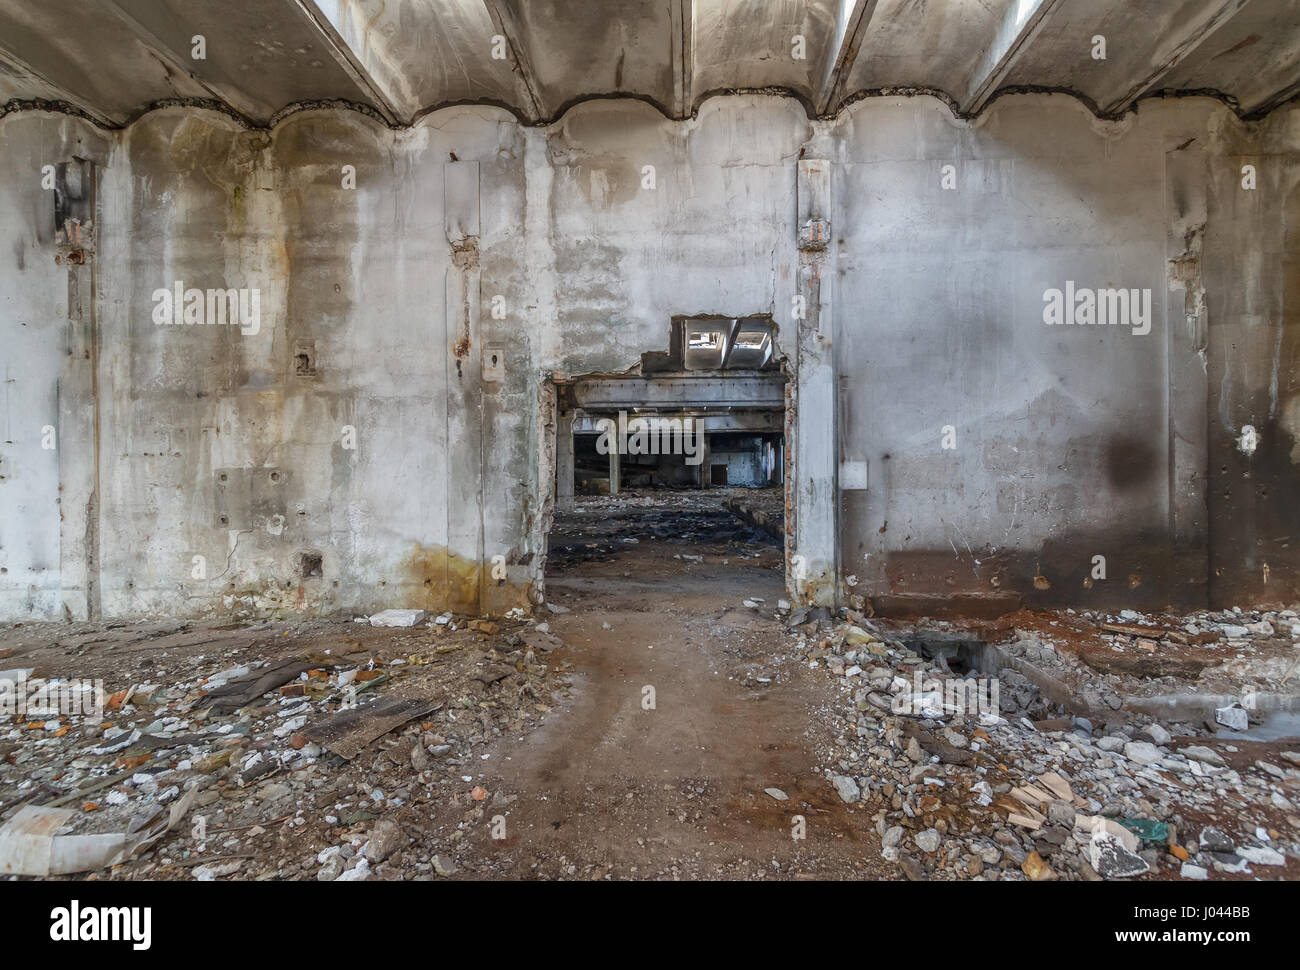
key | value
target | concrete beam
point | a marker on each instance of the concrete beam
(747, 391)
(1281, 98)
(683, 54)
(348, 60)
(1174, 50)
(1021, 23)
(850, 31)
(503, 22)
(19, 66)
(158, 47)
(744, 421)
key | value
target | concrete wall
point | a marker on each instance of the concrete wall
(408, 460)
(1056, 449)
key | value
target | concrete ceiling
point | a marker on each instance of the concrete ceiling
(115, 59)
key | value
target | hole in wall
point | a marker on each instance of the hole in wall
(963, 654)
(304, 359)
(310, 565)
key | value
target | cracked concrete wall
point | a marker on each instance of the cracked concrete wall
(360, 426)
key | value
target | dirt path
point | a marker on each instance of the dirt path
(609, 787)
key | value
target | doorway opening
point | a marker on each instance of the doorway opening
(675, 472)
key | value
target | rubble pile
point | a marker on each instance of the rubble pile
(1023, 789)
(292, 766)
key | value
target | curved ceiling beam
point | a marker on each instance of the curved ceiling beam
(504, 22)
(20, 67)
(1174, 51)
(851, 29)
(683, 55)
(351, 64)
(1022, 22)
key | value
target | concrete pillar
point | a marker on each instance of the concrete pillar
(1186, 329)
(705, 463)
(564, 461)
(469, 488)
(614, 469)
(815, 576)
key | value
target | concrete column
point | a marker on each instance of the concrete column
(1188, 387)
(705, 462)
(467, 483)
(564, 461)
(614, 469)
(815, 577)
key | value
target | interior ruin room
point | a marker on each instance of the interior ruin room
(650, 440)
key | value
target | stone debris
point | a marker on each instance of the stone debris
(1026, 789)
(220, 765)
(1233, 716)
(400, 618)
(846, 787)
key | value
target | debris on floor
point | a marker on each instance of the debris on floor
(1057, 775)
(283, 757)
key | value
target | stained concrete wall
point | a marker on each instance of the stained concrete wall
(567, 249)
(1002, 456)
(1055, 448)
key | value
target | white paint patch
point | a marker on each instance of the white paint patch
(1248, 440)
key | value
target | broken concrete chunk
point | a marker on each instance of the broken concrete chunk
(1215, 840)
(1112, 860)
(1158, 734)
(928, 841)
(386, 837)
(1262, 856)
(444, 866)
(847, 788)
(1207, 755)
(397, 618)
(1143, 752)
(1233, 717)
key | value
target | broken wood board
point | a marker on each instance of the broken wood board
(1032, 795)
(1024, 821)
(350, 730)
(244, 690)
(1057, 785)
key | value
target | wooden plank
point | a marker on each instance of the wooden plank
(350, 730)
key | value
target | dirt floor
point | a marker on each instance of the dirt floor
(664, 716)
(678, 790)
